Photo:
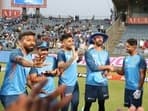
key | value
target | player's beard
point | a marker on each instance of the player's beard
(28, 50)
(69, 48)
(99, 43)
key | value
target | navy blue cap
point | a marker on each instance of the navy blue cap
(105, 37)
(43, 45)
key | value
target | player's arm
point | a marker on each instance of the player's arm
(18, 58)
(120, 70)
(62, 63)
(22, 61)
(29, 83)
(107, 63)
(34, 77)
(55, 72)
(143, 67)
(91, 63)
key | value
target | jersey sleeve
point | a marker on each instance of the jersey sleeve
(108, 60)
(143, 64)
(55, 64)
(15, 55)
(90, 62)
(61, 57)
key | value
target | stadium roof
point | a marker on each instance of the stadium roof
(123, 4)
(120, 4)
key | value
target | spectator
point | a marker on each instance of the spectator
(145, 45)
(1, 46)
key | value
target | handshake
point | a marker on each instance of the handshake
(110, 67)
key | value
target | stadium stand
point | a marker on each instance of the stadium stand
(138, 32)
(133, 15)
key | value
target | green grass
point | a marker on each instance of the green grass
(1, 79)
(116, 91)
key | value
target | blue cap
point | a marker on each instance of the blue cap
(105, 37)
(43, 45)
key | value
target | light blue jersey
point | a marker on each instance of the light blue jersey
(132, 66)
(69, 76)
(50, 85)
(14, 82)
(94, 59)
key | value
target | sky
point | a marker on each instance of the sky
(83, 8)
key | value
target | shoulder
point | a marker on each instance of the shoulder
(89, 50)
(16, 52)
(60, 52)
(52, 57)
(140, 56)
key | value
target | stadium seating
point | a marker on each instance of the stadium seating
(138, 32)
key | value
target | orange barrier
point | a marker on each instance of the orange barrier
(115, 77)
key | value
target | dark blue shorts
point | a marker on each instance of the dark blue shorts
(96, 92)
(69, 90)
(7, 100)
(129, 98)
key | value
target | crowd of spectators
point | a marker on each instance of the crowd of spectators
(50, 29)
(143, 44)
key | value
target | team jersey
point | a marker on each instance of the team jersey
(14, 82)
(132, 66)
(94, 59)
(69, 76)
(51, 65)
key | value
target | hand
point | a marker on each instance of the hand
(58, 72)
(80, 56)
(44, 92)
(105, 73)
(38, 61)
(55, 72)
(33, 102)
(110, 67)
(75, 53)
(137, 94)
